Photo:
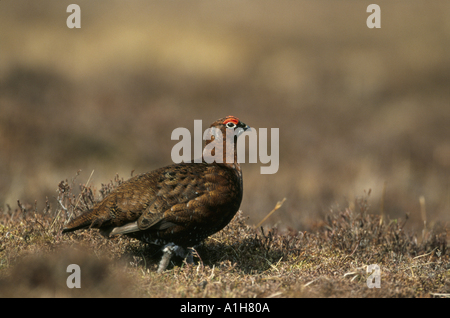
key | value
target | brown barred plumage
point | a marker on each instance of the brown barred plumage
(177, 206)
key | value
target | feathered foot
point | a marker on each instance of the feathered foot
(169, 250)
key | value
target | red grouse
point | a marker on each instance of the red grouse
(176, 206)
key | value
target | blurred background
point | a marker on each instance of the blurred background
(356, 108)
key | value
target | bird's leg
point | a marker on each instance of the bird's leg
(189, 256)
(185, 253)
(168, 251)
(171, 249)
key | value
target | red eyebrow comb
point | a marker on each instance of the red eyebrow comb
(232, 119)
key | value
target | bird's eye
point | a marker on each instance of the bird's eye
(231, 125)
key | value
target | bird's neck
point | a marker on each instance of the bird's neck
(221, 152)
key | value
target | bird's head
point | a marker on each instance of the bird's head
(223, 135)
(228, 123)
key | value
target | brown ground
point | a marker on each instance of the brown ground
(240, 261)
(357, 109)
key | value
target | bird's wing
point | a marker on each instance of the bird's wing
(176, 188)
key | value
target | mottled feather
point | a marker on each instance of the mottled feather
(181, 203)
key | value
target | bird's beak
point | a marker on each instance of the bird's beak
(246, 127)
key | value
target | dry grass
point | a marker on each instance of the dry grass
(240, 261)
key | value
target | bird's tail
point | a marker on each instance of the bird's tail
(83, 221)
